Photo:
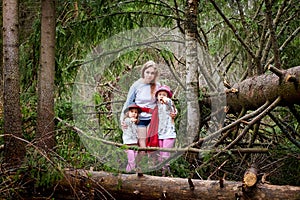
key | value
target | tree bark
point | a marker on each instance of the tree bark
(1, 76)
(122, 186)
(14, 148)
(255, 91)
(192, 77)
(45, 110)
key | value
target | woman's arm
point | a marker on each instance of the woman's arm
(130, 98)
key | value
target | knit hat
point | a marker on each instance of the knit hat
(131, 107)
(164, 88)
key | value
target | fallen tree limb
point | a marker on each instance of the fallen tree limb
(252, 122)
(254, 92)
(122, 186)
(177, 149)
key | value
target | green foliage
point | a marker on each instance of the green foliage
(63, 109)
(44, 171)
(71, 149)
(180, 168)
(287, 170)
(29, 103)
(39, 172)
(77, 35)
(29, 59)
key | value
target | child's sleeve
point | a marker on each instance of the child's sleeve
(127, 121)
(171, 106)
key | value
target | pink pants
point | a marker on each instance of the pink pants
(165, 143)
(131, 154)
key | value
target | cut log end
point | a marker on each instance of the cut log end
(250, 176)
(250, 179)
(291, 78)
(232, 90)
(227, 84)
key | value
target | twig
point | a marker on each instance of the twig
(231, 90)
(208, 178)
(250, 115)
(285, 130)
(294, 112)
(253, 121)
(172, 71)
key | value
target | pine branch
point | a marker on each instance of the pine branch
(235, 32)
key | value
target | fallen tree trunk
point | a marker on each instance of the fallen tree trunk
(121, 186)
(254, 92)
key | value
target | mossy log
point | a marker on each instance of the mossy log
(100, 185)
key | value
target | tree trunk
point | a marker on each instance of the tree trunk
(1, 76)
(192, 77)
(14, 147)
(255, 91)
(123, 186)
(45, 111)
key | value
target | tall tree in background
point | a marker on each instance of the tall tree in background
(45, 110)
(192, 78)
(1, 71)
(14, 147)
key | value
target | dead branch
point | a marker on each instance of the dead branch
(189, 148)
(253, 121)
(276, 71)
(272, 32)
(285, 128)
(250, 115)
(216, 170)
(294, 112)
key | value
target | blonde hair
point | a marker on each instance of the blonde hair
(147, 65)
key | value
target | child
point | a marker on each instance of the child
(130, 133)
(166, 127)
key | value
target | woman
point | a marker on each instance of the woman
(142, 93)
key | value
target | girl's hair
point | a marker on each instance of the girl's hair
(147, 65)
(126, 115)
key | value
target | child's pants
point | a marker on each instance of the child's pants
(131, 154)
(165, 143)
